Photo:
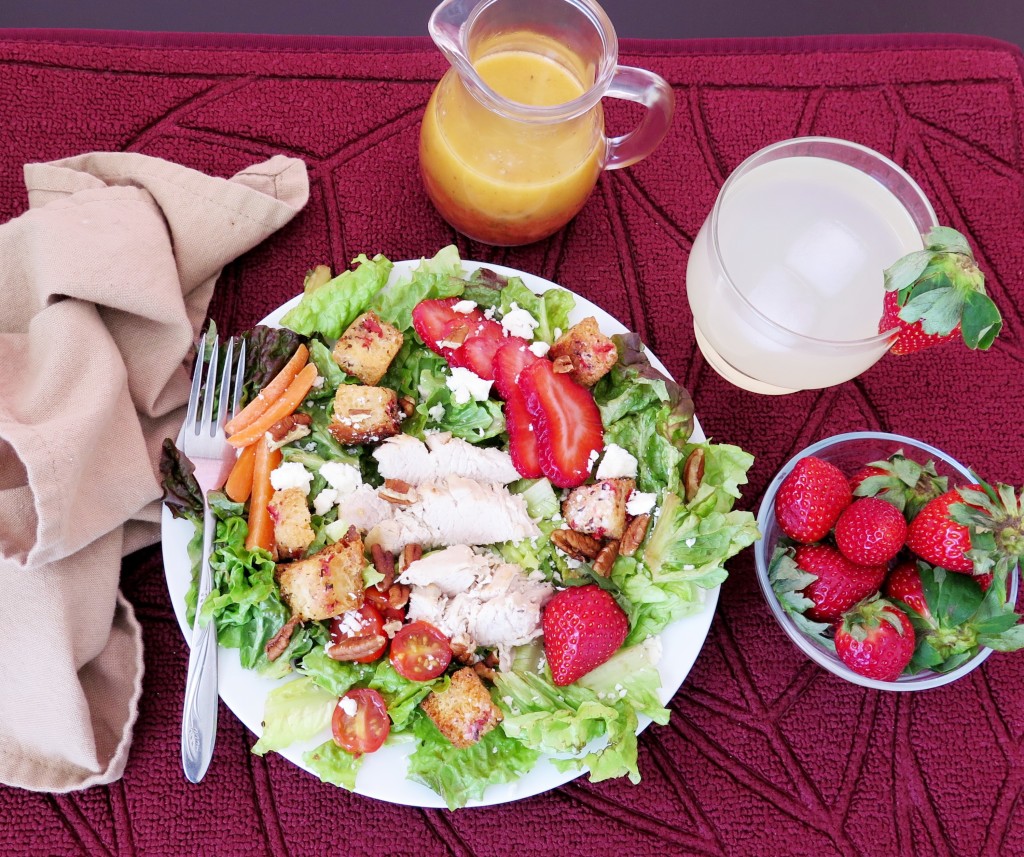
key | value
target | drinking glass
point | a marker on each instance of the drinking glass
(785, 278)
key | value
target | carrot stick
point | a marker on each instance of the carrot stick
(269, 394)
(239, 483)
(261, 527)
(285, 404)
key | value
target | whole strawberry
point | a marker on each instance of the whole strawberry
(901, 481)
(935, 537)
(904, 584)
(583, 627)
(911, 337)
(875, 640)
(810, 499)
(840, 583)
(933, 293)
(870, 531)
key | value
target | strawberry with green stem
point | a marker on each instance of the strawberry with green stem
(953, 616)
(875, 639)
(901, 481)
(933, 293)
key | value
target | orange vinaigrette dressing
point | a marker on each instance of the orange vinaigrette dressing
(502, 181)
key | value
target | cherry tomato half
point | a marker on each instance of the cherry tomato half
(381, 601)
(371, 622)
(365, 725)
(420, 652)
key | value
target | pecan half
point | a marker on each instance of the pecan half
(693, 473)
(455, 338)
(411, 553)
(351, 648)
(634, 535)
(407, 405)
(579, 546)
(398, 595)
(287, 429)
(606, 558)
(562, 365)
(484, 671)
(397, 492)
(384, 563)
(279, 642)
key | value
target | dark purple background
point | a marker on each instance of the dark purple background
(766, 754)
(664, 19)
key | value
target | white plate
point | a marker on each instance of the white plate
(382, 774)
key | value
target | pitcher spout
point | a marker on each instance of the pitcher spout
(446, 26)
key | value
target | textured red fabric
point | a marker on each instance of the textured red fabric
(765, 753)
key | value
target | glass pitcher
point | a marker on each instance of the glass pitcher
(512, 141)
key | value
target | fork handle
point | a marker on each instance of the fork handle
(199, 717)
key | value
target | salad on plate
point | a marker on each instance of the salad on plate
(461, 524)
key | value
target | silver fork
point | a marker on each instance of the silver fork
(207, 448)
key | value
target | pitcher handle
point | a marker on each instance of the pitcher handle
(654, 93)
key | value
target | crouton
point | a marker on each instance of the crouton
(293, 532)
(592, 353)
(367, 348)
(463, 713)
(599, 509)
(326, 584)
(363, 414)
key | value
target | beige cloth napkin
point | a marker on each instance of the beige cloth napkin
(104, 284)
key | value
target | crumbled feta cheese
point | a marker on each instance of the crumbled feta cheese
(519, 322)
(291, 474)
(653, 646)
(489, 312)
(436, 413)
(466, 385)
(540, 348)
(350, 622)
(592, 459)
(640, 503)
(343, 478)
(324, 501)
(318, 382)
(449, 343)
(617, 462)
(558, 333)
(464, 306)
(392, 627)
(348, 705)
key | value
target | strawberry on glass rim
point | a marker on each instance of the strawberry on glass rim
(932, 294)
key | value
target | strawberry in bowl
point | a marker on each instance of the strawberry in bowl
(904, 579)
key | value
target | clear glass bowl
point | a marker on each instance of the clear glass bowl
(849, 452)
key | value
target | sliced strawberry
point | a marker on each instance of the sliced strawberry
(522, 439)
(430, 319)
(567, 423)
(478, 351)
(510, 359)
(583, 627)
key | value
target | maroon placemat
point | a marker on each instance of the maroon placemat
(765, 753)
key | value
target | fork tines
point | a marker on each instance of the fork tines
(204, 387)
